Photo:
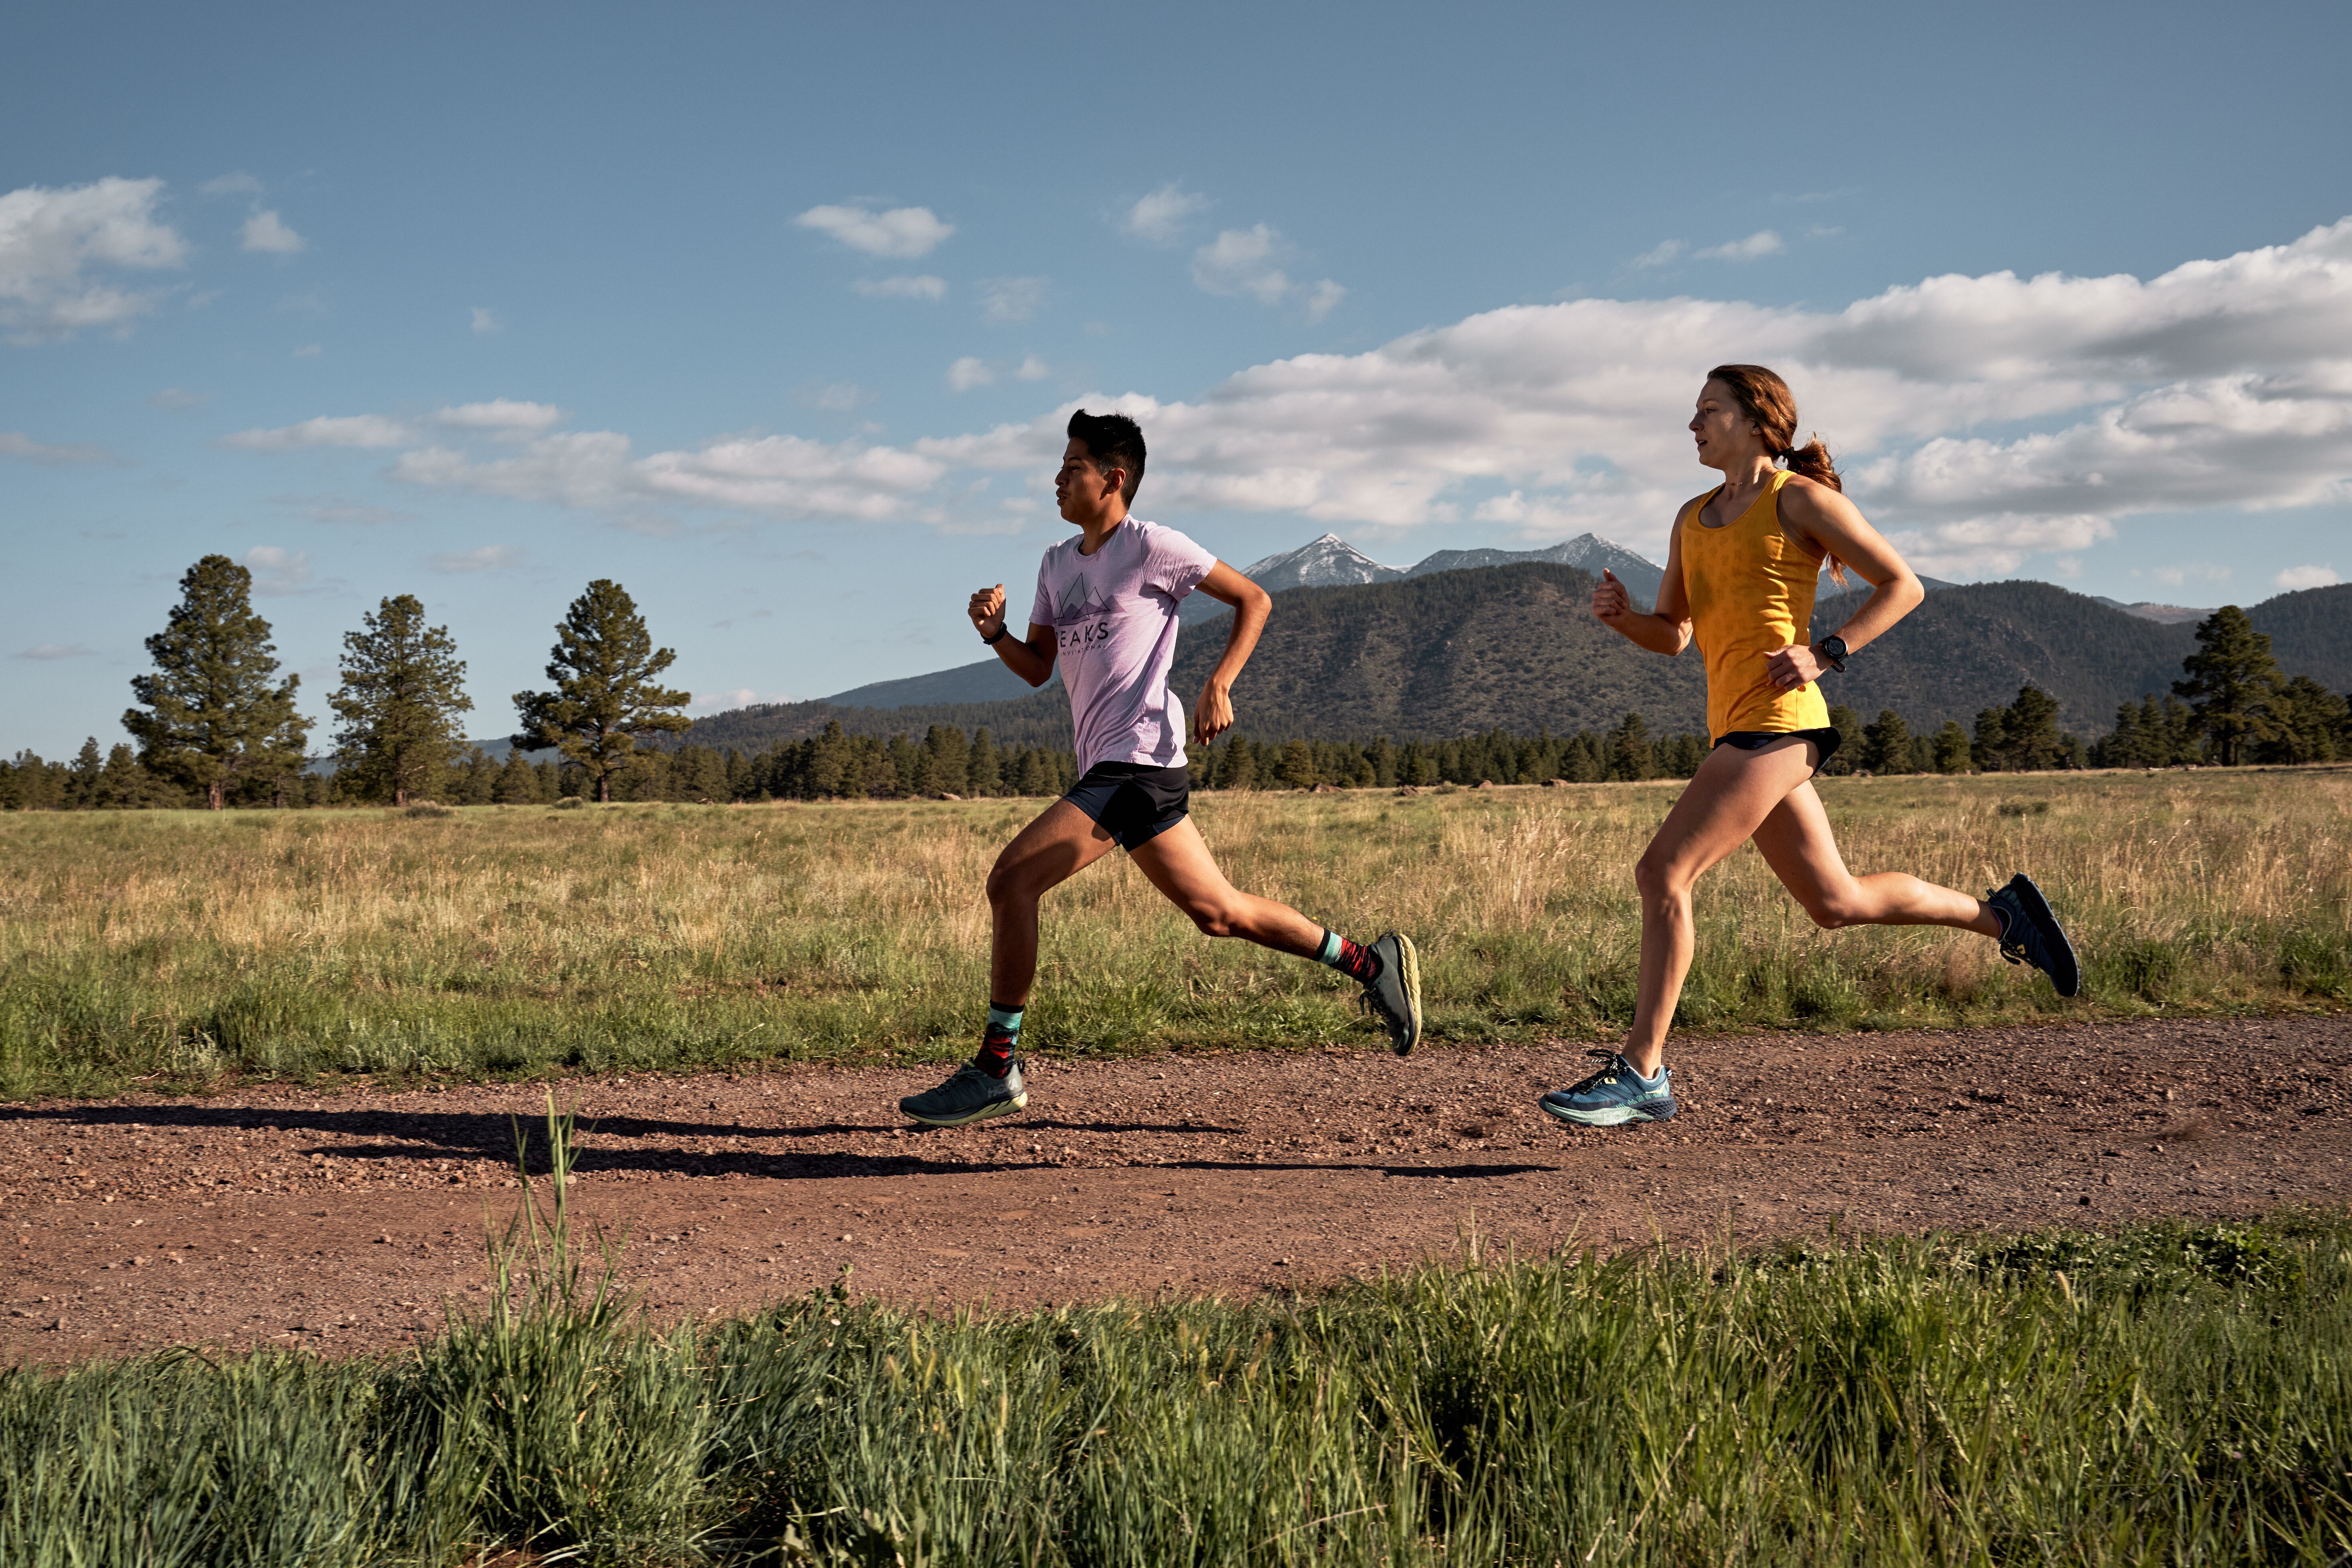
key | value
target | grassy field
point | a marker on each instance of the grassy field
(2171, 1394)
(175, 947)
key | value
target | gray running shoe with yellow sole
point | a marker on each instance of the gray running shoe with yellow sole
(971, 1094)
(1395, 998)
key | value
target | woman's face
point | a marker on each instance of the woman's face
(1725, 434)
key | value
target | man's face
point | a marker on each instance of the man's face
(1082, 490)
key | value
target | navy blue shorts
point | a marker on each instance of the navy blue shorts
(1757, 740)
(1133, 802)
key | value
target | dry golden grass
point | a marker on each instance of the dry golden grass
(506, 939)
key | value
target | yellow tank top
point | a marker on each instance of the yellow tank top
(1751, 593)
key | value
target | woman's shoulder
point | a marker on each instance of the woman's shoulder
(1696, 503)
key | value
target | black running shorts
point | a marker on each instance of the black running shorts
(1757, 740)
(1133, 802)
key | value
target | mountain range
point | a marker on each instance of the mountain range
(1515, 646)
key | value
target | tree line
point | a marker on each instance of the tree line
(214, 725)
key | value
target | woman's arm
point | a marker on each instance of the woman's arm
(1213, 715)
(1826, 520)
(1666, 629)
(1031, 660)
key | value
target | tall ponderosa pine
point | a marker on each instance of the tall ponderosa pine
(213, 718)
(404, 687)
(605, 696)
(2231, 678)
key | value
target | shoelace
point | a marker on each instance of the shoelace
(1615, 1063)
(2012, 946)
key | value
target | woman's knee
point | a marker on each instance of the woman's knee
(1831, 909)
(1659, 880)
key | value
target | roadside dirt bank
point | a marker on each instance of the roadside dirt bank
(343, 1221)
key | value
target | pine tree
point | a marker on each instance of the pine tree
(1886, 745)
(2230, 677)
(517, 782)
(603, 665)
(1848, 724)
(404, 687)
(212, 718)
(985, 772)
(1952, 749)
(2307, 723)
(1629, 750)
(2033, 740)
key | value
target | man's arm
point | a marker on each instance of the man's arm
(1213, 715)
(1031, 660)
(1665, 630)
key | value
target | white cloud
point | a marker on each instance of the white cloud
(232, 184)
(488, 558)
(335, 510)
(500, 416)
(1763, 242)
(2295, 577)
(1031, 368)
(486, 321)
(1011, 298)
(2196, 570)
(16, 443)
(1243, 261)
(277, 571)
(901, 231)
(174, 400)
(840, 396)
(309, 351)
(741, 696)
(346, 430)
(1322, 297)
(1160, 216)
(56, 650)
(919, 286)
(1662, 253)
(968, 373)
(266, 231)
(50, 237)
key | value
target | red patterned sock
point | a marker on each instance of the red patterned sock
(999, 1040)
(1352, 959)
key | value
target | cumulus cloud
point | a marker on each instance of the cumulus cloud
(17, 444)
(339, 430)
(488, 558)
(500, 416)
(486, 321)
(1160, 216)
(902, 233)
(53, 239)
(1011, 298)
(266, 231)
(1031, 368)
(1662, 253)
(968, 373)
(278, 571)
(918, 285)
(2295, 577)
(2223, 384)
(1763, 242)
(1322, 297)
(1251, 262)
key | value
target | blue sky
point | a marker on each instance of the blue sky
(773, 313)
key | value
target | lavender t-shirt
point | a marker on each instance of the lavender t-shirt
(1114, 618)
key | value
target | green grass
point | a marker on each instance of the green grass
(2171, 1394)
(175, 949)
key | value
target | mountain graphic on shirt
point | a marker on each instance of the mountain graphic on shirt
(1078, 603)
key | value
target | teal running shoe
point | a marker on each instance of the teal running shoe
(2030, 935)
(1614, 1095)
(971, 1094)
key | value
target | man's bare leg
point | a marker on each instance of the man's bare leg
(1062, 842)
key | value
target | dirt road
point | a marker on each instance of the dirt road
(343, 1221)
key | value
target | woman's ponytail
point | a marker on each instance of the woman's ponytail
(1767, 400)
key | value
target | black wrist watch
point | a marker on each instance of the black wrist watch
(1001, 627)
(1833, 649)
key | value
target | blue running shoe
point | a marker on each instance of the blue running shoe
(1614, 1095)
(2030, 935)
(971, 1094)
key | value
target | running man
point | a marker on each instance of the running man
(1105, 611)
(1739, 576)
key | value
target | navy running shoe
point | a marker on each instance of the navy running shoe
(2030, 935)
(1614, 1095)
(971, 1094)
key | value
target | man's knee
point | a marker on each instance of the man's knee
(1214, 917)
(1006, 884)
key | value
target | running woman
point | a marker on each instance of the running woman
(1739, 576)
(1105, 611)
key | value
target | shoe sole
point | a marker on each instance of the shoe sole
(994, 1108)
(2053, 936)
(1409, 960)
(1615, 1116)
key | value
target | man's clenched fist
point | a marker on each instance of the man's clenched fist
(987, 610)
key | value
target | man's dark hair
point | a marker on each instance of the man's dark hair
(1113, 441)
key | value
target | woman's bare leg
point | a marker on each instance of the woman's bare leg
(1732, 794)
(1796, 842)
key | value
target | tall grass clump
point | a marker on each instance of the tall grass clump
(178, 947)
(2170, 1392)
